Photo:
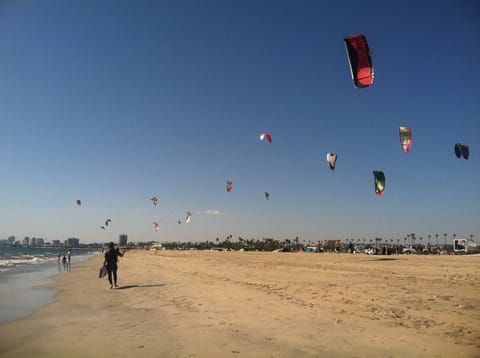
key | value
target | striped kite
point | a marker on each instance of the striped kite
(379, 182)
(266, 136)
(331, 159)
(405, 138)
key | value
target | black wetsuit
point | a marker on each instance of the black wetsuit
(111, 257)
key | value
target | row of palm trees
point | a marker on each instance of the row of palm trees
(291, 244)
(410, 239)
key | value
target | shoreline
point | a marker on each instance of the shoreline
(24, 289)
(249, 304)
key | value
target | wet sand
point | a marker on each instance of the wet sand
(251, 304)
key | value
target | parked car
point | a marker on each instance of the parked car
(409, 250)
(372, 251)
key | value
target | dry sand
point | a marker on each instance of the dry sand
(251, 304)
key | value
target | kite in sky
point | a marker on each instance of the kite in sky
(331, 159)
(79, 202)
(157, 226)
(188, 217)
(102, 227)
(360, 60)
(229, 185)
(267, 195)
(266, 136)
(379, 182)
(108, 221)
(405, 138)
(462, 150)
(154, 200)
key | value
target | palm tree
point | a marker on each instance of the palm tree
(429, 236)
(444, 240)
(436, 240)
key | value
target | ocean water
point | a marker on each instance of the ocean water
(23, 268)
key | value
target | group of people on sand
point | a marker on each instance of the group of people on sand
(66, 259)
(109, 262)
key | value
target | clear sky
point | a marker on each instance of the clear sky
(111, 102)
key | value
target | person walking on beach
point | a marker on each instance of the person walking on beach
(69, 257)
(111, 258)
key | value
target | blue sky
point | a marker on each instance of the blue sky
(111, 102)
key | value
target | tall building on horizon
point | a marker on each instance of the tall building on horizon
(72, 242)
(122, 240)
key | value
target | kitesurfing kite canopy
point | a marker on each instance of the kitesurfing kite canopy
(79, 202)
(154, 199)
(229, 185)
(360, 60)
(266, 136)
(157, 226)
(188, 217)
(267, 195)
(331, 159)
(462, 150)
(379, 178)
(405, 138)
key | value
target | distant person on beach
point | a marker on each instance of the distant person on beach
(111, 258)
(351, 248)
(59, 256)
(69, 257)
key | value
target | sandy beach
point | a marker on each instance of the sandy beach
(252, 304)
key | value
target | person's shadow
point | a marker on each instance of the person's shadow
(139, 286)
